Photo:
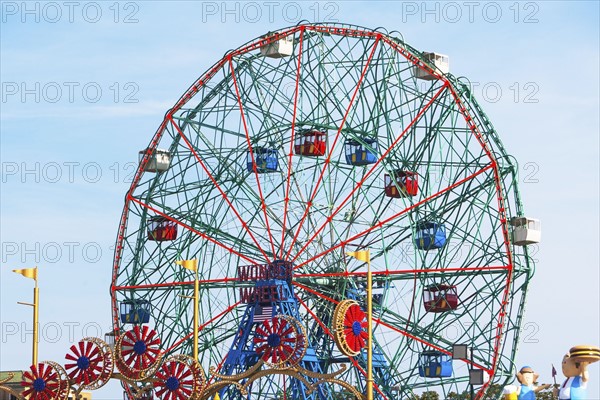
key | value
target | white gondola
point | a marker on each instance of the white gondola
(441, 63)
(526, 231)
(159, 161)
(279, 48)
(111, 338)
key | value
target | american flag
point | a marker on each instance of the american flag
(262, 313)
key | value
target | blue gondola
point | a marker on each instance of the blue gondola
(435, 364)
(361, 153)
(430, 235)
(265, 159)
(135, 311)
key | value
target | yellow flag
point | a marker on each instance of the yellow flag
(27, 272)
(192, 265)
(362, 255)
(217, 397)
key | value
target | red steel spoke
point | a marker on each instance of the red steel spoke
(330, 150)
(393, 217)
(380, 322)
(291, 154)
(170, 284)
(404, 272)
(260, 193)
(371, 170)
(218, 187)
(202, 235)
(201, 327)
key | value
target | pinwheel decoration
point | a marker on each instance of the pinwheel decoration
(350, 327)
(46, 381)
(92, 363)
(179, 377)
(278, 341)
(137, 352)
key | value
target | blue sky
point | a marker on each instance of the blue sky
(84, 89)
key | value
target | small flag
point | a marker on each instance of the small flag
(554, 373)
(262, 313)
(362, 255)
(192, 265)
(217, 397)
(27, 272)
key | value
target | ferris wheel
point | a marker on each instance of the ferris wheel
(292, 150)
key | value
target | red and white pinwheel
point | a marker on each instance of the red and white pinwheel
(278, 341)
(350, 327)
(179, 377)
(138, 351)
(92, 363)
(46, 381)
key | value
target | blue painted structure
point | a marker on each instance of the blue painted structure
(242, 353)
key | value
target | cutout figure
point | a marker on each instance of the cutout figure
(527, 378)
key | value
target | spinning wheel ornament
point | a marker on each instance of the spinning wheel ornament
(179, 377)
(137, 352)
(46, 381)
(91, 363)
(350, 328)
(279, 342)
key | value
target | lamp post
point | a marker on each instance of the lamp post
(364, 255)
(32, 274)
(192, 265)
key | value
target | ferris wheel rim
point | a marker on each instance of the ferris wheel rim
(252, 45)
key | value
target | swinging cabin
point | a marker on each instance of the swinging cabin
(362, 152)
(435, 364)
(430, 235)
(310, 143)
(161, 229)
(135, 311)
(265, 160)
(440, 298)
(403, 184)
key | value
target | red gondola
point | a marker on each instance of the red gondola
(440, 298)
(404, 184)
(310, 143)
(161, 229)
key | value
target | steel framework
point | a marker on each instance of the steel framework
(244, 193)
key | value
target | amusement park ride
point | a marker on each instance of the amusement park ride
(289, 152)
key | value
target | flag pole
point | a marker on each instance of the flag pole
(192, 265)
(196, 312)
(365, 256)
(36, 303)
(32, 273)
(370, 328)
